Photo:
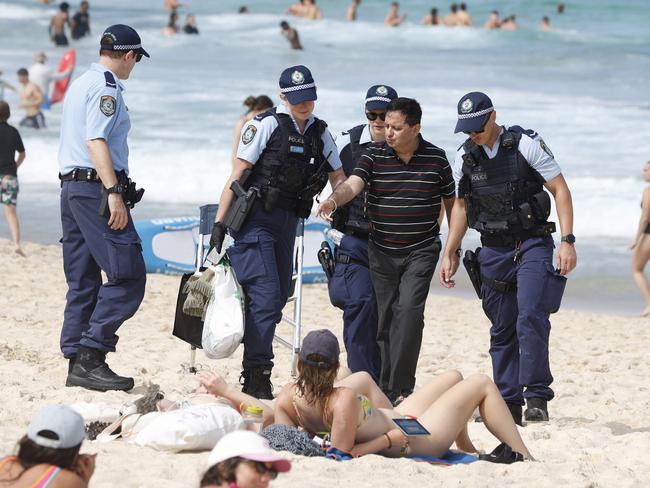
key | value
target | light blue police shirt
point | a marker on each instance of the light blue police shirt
(93, 108)
(256, 134)
(531, 146)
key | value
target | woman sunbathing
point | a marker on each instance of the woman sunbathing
(358, 427)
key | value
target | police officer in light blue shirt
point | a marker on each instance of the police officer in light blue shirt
(98, 232)
(502, 174)
(284, 160)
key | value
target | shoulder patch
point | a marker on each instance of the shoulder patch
(110, 79)
(107, 105)
(249, 134)
(544, 147)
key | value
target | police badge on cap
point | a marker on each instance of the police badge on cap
(297, 78)
(474, 109)
(466, 106)
(379, 96)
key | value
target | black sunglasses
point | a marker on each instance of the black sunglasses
(374, 115)
(138, 57)
(262, 468)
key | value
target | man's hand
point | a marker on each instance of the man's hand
(448, 269)
(566, 258)
(218, 235)
(325, 209)
(84, 466)
(119, 215)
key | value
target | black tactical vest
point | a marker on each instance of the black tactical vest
(353, 218)
(505, 195)
(291, 170)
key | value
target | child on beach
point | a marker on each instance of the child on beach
(641, 245)
(358, 427)
(49, 454)
(10, 144)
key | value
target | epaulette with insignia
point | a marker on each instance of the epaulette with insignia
(529, 132)
(264, 115)
(110, 79)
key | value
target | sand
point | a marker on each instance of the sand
(598, 436)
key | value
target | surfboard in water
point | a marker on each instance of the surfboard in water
(68, 61)
(169, 246)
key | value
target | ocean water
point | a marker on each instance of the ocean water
(582, 86)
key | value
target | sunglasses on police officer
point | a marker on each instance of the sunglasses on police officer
(480, 131)
(373, 115)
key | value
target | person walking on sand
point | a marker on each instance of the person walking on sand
(291, 34)
(641, 245)
(351, 14)
(10, 144)
(501, 174)
(98, 231)
(31, 98)
(393, 18)
(58, 23)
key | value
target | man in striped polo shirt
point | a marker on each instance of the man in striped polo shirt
(408, 179)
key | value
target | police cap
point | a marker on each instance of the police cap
(125, 38)
(473, 112)
(379, 96)
(297, 84)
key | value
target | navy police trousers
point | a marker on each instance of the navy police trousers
(95, 310)
(262, 259)
(520, 330)
(351, 290)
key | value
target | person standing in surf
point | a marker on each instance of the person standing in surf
(641, 245)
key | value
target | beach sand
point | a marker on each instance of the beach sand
(598, 436)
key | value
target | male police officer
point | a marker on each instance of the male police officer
(283, 161)
(93, 161)
(350, 287)
(501, 173)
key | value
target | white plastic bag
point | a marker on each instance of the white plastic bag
(197, 427)
(223, 327)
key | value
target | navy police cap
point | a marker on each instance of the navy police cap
(473, 112)
(125, 38)
(297, 84)
(379, 96)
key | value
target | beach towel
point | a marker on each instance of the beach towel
(450, 458)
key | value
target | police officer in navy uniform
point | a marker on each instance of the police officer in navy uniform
(501, 173)
(93, 162)
(284, 158)
(350, 288)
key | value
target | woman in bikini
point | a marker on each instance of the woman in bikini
(641, 245)
(48, 456)
(358, 427)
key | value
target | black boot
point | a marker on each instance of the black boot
(536, 411)
(257, 383)
(71, 361)
(90, 371)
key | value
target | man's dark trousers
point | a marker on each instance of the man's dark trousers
(520, 329)
(351, 290)
(401, 283)
(95, 311)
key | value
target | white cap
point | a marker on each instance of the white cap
(66, 424)
(247, 445)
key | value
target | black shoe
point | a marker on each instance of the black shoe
(71, 362)
(257, 383)
(90, 371)
(536, 411)
(515, 411)
(503, 454)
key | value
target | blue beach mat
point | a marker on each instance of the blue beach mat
(450, 458)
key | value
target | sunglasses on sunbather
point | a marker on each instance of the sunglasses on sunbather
(262, 468)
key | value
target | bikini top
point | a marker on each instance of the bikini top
(364, 402)
(46, 478)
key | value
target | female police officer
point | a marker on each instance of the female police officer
(283, 161)
(501, 173)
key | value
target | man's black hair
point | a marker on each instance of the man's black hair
(409, 107)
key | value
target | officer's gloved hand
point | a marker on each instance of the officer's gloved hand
(218, 235)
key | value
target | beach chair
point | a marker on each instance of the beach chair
(189, 329)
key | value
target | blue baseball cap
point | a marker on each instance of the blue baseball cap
(298, 85)
(473, 111)
(125, 38)
(323, 343)
(379, 96)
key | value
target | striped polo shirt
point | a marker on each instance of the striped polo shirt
(404, 199)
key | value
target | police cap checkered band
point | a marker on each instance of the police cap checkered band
(124, 37)
(379, 99)
(480, 113)
(298, 87)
